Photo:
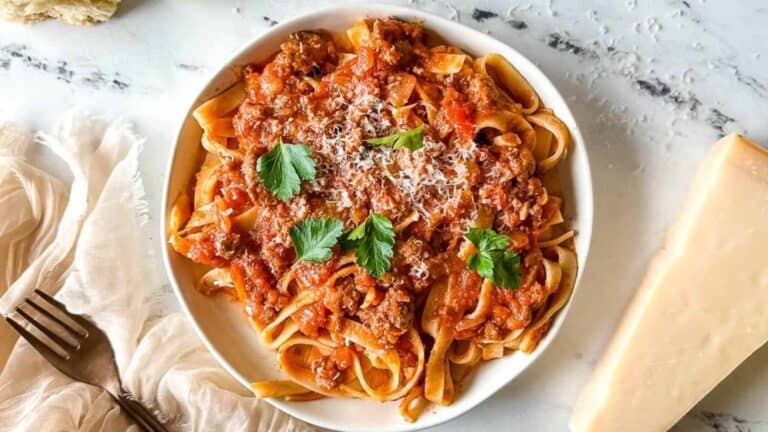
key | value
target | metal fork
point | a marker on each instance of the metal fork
(86, 355)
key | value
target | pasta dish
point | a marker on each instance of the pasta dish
(385, 208)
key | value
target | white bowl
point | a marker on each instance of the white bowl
(223, 327)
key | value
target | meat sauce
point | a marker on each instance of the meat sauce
(310, 93)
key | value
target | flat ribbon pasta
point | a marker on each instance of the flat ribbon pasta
(509, 79)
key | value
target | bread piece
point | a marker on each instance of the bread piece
(78, 12)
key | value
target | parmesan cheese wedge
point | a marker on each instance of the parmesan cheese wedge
(702, 308)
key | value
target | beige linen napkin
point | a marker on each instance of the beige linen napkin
(92, 250)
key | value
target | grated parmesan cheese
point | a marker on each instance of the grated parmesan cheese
(430, 180)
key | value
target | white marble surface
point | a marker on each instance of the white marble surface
(652, 84)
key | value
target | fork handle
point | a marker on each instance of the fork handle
(142, 416)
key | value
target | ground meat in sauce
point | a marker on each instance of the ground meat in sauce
(226, 245)
(264, 299)
(309, 93)
(394, 41)
(327, 374)
(391, 318)
(308, 53)
(343, 298)
(416, 257)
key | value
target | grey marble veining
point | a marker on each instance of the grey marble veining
(60, 69)
(651, 83)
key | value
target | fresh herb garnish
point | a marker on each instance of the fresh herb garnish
(374, 240)
(410, 139)
(313, 238)
(284, 167)
(492, 260)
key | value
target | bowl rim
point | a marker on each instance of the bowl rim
(377, 9)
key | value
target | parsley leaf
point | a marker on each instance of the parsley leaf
(350, 240)
(313, 238)
(410, 139)
(374, 240)
(492, 260)
(482, 263)
(487, 239)
(506, 270)
(282, 169)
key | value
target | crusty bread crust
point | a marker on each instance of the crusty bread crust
(77, 12)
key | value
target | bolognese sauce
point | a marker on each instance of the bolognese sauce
(320, 91)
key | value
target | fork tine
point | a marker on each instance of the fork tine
(54, 318)
(60, 306)
(60, 341)
(36, 343)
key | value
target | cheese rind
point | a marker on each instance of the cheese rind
(700, 310)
